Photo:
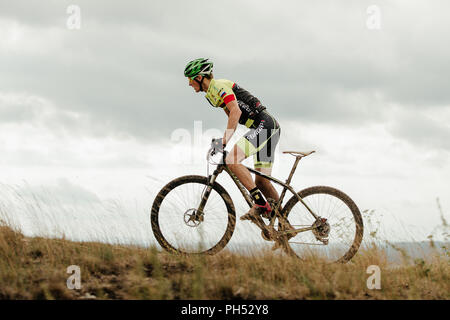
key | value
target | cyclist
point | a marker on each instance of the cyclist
(243, 108)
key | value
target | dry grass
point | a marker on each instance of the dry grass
(36, 268)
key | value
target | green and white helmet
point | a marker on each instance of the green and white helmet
(198, 67)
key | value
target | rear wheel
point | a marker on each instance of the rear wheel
(179, 227)
(335, 239)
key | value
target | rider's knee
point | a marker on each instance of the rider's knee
(261, 183)
(231, 159)
(228, 160)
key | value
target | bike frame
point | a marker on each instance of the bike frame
(286, 185)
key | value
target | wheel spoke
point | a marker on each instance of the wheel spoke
(177, 225)
(342, 217)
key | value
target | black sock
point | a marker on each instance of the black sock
(257, 196)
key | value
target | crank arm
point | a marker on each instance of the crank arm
(264, 228)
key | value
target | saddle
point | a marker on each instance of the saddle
(299, 154)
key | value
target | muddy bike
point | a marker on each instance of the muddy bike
(196, 215)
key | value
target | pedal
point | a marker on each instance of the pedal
(268, 215)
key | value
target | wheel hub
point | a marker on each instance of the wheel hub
(321, 229)
(192, 218)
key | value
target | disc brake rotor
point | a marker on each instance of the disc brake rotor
(192, 218)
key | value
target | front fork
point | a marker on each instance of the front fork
(211, 179)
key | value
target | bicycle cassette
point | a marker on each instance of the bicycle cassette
(321, 229)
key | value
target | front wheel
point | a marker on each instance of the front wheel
(338, 238)
(179, 227)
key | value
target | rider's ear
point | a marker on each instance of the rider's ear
(199, 78)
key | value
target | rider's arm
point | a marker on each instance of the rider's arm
(234, 113)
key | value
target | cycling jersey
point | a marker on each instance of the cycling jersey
(222, 91)
(264, 132)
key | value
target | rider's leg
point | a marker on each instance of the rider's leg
(269, 191)
(233, 160)
(252, 144)
(263, 161)
(265, 185)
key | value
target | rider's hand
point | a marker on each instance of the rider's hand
(217, 145)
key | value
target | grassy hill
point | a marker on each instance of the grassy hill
(36, 268)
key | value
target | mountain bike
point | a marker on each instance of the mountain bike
(196, 215)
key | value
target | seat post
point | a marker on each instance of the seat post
(288, 180)
(297, 159)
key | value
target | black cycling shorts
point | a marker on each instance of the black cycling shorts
(261, 140)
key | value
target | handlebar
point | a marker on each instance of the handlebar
(216, 147)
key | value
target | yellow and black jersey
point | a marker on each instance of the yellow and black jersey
(222, 91)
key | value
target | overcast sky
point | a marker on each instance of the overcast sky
(101, 113)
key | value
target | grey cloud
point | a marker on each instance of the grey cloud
(122, 72)
(18, 109)
(63, 193)
(421, 130)
(34, 12)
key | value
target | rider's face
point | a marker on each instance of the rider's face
(194, 84)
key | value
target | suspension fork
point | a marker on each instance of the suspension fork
(207, 191)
